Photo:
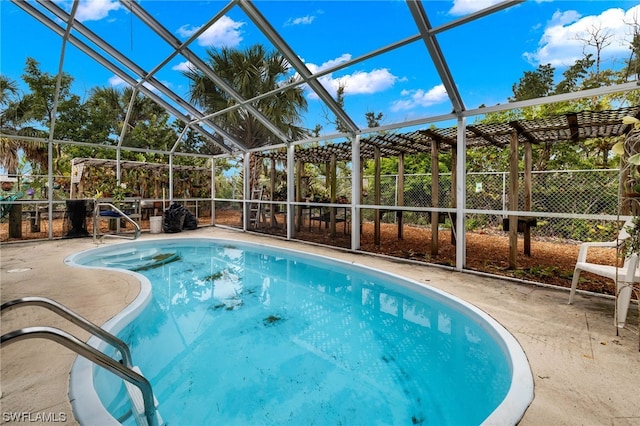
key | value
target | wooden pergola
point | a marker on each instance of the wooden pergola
(158, 169)
(570, 127)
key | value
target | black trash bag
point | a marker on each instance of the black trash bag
(77, 212)
(177, 217)
(174, 218)
(190, 220)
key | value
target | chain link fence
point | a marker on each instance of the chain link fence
(570, 192)
(567, 192)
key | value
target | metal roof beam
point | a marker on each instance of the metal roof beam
(297, 64)
(421, 20)
(60, 13)
(599, 91)
(191, 39)
(159, 29)
(476, 15)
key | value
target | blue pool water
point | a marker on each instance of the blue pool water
(238, 334)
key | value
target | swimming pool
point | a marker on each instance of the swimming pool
(240, 333)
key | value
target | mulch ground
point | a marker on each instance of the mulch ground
(551, 262)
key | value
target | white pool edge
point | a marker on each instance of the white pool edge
(85, 403)
(89, 410)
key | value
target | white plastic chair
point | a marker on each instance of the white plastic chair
(624, 277)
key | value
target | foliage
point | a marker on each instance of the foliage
(30, 115)
(632, 244)
(118, 193)
(618, 148)
(534, 84)
(249, 72)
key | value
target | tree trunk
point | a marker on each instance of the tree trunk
(15, 221)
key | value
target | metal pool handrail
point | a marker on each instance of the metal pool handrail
(92, 354)
(78, 320)
(96, 213)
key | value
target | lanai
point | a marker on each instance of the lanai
(95, 45)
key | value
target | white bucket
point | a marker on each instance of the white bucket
(156, 224)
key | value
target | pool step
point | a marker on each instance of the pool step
(131, 251)
(137, 402)
(127, 256)
(158, 260)
(140, 260)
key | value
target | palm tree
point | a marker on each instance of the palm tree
(8, 89)
(8, 148)
(250, 73)
(14, 119)
(15, 113)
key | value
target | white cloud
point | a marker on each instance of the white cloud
(420, 98)
(115, 81)
(562, 42)
(360, 82)
(330, 63)
(183, 66)
(465, 7)
(303, 20)
(94, 10)
(225, 32)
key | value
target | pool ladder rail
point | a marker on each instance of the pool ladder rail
(122, 215)
(138, 387)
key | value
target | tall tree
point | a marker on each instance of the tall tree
(8, 90)
(8, 147)
(632, 68)
(147, 122)
(534, 84)
(17, 118)
(574, 75)
(597, 38)
(250, 72)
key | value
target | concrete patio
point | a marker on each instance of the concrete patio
(584, 373)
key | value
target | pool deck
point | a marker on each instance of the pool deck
(584, 373)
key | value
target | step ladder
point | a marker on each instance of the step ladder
(256, 215)
(143, 402)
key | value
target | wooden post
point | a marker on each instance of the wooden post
(361, 195)
(513, 201)
(454, 194)
(528, 165)
(300, 168)
(15, 221)
(435, 197)
(400, 194)
(272, 182)
(332, 214)
(376, 184)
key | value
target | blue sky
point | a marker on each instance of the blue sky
(486, 57)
